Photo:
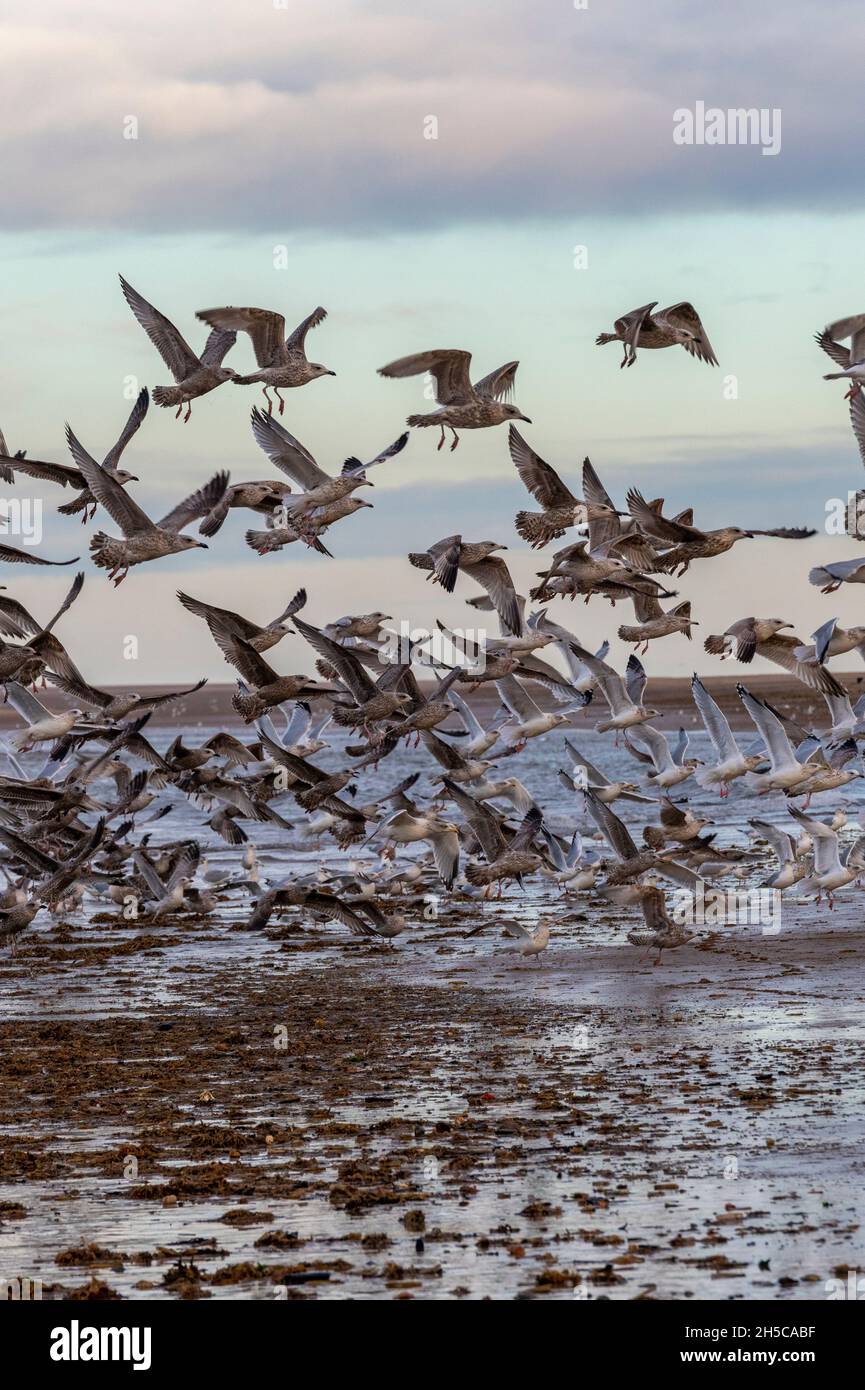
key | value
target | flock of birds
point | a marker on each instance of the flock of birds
(76, 828)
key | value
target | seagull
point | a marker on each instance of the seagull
(831, 640)
(669, 771)
(14, 556)
(282, 362)
(661, 933)
(527, 943)
(561, 509)
(195, 376)
(463, 406)
(830, 872)
(585, 776)
(623, 696)
(527, 719)
(143, 539)
(404, 828)
(732, 762)
(120, 706)
(67, 476)
(852, 359)
(790, 867)
(475, 559)
(785, 770)
(752, 637)
(259, 638)
(677, 324)
(653, 622)
(830, 577)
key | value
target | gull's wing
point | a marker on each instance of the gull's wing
(77, 586)
(836, 351)
(150, 876)
(657, 745)
(629, 325)
(350, 671)
(826, 856)
(127, 514)
(771, 729)
(13, 556)
(822, 638)
(683, 317)
(494, 576)
(635, 679)
(198, 503)
(611, 685)
(498, 385)
(542, 481)
(219, 343)
(716, 723)
(250, 663)
(294, 606)
(449, 367)
(80, 690)
(25, 703)
(781, 649)
(297, 341)
(481, 819)
(354, 465)
(154, 701)
(614, 831)
(175, 352)
(286, 452)
(653, 523)
(517, 698)
(780, 842)
(60, 473)
(857, 420)
(136, 417)
(445, 845)
(265, 327)
(596, 777)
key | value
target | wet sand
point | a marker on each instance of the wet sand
(189, 1109)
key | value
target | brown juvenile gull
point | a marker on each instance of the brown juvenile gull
(143, 539)
(373, 701)
(43, 648)
(259, 638)
(124, 703)
(750, 637)
(852, 359)
(464, 406)
(653, 622)
(475, 559)
(561, 509)
(268, 687)
(68, 476)
(677, 324)
(195, 376)
(264, 495)
(282, 361)
(661, 933)
(325, 498)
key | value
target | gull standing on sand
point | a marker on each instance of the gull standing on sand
(661, 933)
(463, 406)
(677, 324)
(527, 943)
(282, 362)
(195, 376)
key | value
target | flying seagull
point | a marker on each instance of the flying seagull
(851, 360)
(143, 539)
(195, 376)
(282, 362)
(677, 324)
(463, 406)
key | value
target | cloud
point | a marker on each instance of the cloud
(313, 116)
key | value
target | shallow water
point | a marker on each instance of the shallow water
(586, 1125)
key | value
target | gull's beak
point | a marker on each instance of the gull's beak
(202, 545)
(331, 373)
(133, 479)
(526, 418)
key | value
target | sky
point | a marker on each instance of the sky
(279, 157)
